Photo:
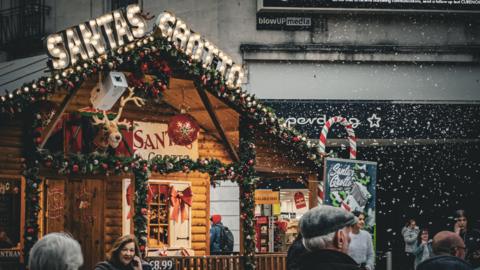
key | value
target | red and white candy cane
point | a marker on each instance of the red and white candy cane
(352, 139)
(351, 135)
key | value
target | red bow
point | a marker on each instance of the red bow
(179, 200)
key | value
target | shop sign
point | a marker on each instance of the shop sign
(151, 139)
(9, 254)
(350, 184)
(199, 48)
(299, 200)
(266, 196)
(95, 37)
(380, 119)
(283, 22)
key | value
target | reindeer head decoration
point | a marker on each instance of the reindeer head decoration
(110, 134)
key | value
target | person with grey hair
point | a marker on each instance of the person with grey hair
(56, 251)
(325, 230)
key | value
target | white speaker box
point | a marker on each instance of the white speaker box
(106, 93)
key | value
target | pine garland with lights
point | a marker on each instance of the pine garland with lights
(142, 174)
(247, 186)
(32, 206)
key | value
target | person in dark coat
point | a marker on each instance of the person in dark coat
(470, 236)
(215, 235)
(325, 235)
(295, 252)
(124, 255)
(449, 253)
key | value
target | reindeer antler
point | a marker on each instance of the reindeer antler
(103, 121)
(137, 100)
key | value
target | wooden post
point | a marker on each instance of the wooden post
(313, 190)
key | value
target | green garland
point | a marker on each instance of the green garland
(247, 188)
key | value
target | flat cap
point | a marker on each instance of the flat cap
(325, 219)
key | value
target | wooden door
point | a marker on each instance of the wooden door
(54, 206)
(84, 219)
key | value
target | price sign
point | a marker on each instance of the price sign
(159, 263)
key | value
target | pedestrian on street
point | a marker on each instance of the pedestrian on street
(325, 230)
(424, 248)
(215, 235)
(410, 233)
(449, 253)
(295, 252)
(470, 236)
(124, 255)
(57, 251)
(361, 246)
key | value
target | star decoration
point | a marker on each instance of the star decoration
(374, 120)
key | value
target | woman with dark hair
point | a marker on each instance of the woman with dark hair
(424, 248)
(361, 246)
(470, 236)
(124, 255)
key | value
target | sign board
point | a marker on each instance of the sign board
(151, 139)
(283, 22)
(263, 196)
(460, 6)
(350, 184)
(161, 263)
(380, 119)
(299, 200)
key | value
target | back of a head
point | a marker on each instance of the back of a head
(447, 243)
(56, 251)
(319, 225)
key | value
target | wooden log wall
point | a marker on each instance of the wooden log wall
(11, 158)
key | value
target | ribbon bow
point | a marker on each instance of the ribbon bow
(179, 200)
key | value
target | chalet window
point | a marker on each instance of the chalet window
(10, 213)
(164, 231)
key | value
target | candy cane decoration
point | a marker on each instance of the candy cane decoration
(352, 139)
(351, 135)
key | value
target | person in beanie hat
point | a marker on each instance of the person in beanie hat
(325, 230)
(215, 231)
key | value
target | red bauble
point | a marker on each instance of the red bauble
(144, 211)
(142, 248)
(30, 230)
(183, 129)
(75, 168)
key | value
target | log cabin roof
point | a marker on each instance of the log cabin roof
(182, 90)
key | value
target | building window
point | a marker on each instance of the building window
(164, 229)
(10, 213)
(158, 210)
(117, 4)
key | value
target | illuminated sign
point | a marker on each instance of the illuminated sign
(95, 37)
(198, 48)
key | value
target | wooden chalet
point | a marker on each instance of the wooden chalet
(88, 195)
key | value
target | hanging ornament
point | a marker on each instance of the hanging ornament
(183, 129)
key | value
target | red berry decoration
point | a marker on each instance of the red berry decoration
(105, 166)
(183, 129)
(296, 139)
(30, 230)
(250, 162)
(144, 211)
(75, 168)
(142, 248)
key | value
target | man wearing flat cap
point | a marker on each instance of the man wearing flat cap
(325, 230)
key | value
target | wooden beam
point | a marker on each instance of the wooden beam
(220, 129)
(58, 115)
(313, 190)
